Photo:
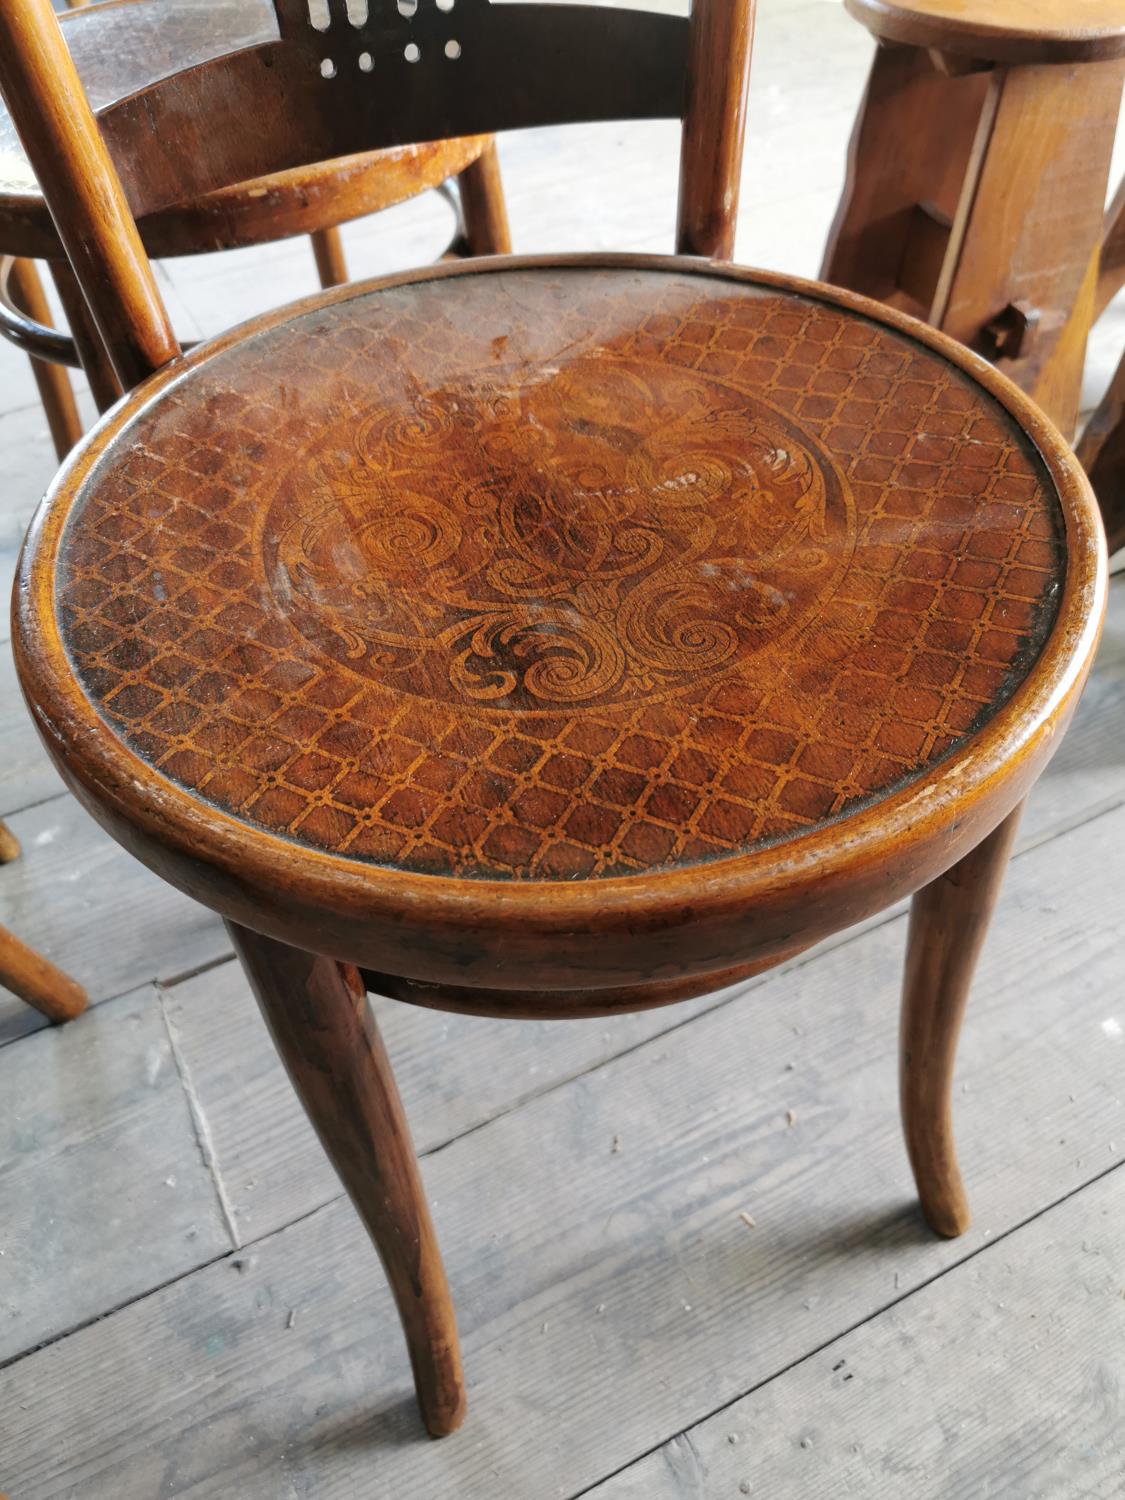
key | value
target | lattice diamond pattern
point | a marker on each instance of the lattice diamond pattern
(183, 646)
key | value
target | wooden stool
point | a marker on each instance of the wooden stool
(124, 45)
(540, 637)
(977, 177)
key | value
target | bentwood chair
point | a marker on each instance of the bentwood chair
(120, 46)
(535, 637)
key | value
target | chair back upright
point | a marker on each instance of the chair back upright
(344, 76)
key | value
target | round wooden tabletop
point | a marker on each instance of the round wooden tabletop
(490, 610)
(1011, 31)
(121, 46)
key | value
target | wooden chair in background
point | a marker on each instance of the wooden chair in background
(542, 637)
(977, 177)
(120, 46)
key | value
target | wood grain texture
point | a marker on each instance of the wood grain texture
(106, 1194)
(1030, 225)
(989, 227)
(896, 164)
(323, 1028)
(718, 77)
(606, 1248)
(1005, 31)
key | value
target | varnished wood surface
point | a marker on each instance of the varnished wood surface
(125, 45)
(321, 1023)
(1009, 31)
(70, 159)
(718, 79)
(556, 705)
(37, 981)
(948, 922)
(315, 101)
(987, 226)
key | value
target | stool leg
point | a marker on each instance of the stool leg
(318, 1014)
(1102, 454)
(328, 251)
(30, 976)
(904, 177)
(483, 208)
(54, 383)
(1021, 273)
(948, 921)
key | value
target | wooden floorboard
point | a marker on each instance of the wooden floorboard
(611, 1298)
(106, 1191)
(986, 1383)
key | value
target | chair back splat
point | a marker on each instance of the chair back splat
(345, 76)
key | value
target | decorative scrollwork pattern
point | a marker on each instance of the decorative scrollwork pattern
(612, 529)
(559, 572)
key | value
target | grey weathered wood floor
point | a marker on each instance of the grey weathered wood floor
(187, 1305)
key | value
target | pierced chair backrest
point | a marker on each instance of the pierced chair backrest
(345, 76)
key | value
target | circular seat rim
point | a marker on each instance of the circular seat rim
(882, 851)
(969, 36)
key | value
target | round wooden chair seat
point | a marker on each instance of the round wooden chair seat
(1004, 31)
(124, 45)
(598, 622)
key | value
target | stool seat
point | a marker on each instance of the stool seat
(561, 624)
(1002, 31)
(121, 46)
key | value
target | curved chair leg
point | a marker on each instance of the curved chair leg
(29, 975)
(322, 1025)
(948, 921)
(328, 251)
(55, 390)
(483, 209)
